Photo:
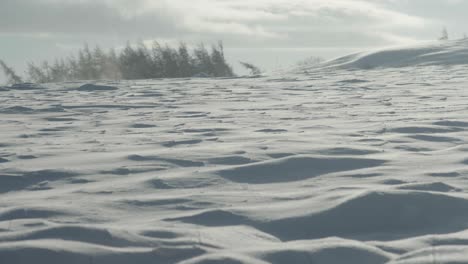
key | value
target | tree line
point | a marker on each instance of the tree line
(132, 62)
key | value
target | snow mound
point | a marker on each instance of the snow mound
(397, 213)
(444, 254)
(439, 53)
(20, 180)
(330, 250)
(25, 86)
(400, 213)
(294, 168)
(62, 251)
(224, 258)
(95, 87)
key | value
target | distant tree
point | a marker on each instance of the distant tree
(99, 61)
(86, 69)
(444, 34)
(36, 74)
(58, 71)
(220, 67)
(157, 67)
(144, 61)
(185, 61)
(127, 62)
(136, 63)
(46, 69)
(203, 64)
(111, 67)
(11, 75)
(169, 62)
(310, 61)
(254, 70)
(73, 68)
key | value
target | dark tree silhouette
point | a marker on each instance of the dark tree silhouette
(11, 75)
(220, 68)
(202, 61)
(444, 34)
(185, 61)
(254, 70)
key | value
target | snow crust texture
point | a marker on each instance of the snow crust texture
(330, 166)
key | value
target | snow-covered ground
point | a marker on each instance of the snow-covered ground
(319, 166)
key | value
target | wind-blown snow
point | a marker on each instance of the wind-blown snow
(329, 166)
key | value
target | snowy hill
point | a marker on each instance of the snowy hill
(433, 53)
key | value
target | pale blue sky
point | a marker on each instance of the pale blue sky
(270, 33)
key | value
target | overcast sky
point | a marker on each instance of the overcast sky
(271, 33)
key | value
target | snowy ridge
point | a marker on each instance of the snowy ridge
(433, 53)
(358, 167)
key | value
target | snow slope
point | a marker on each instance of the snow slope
(453, 52)
(329, 166)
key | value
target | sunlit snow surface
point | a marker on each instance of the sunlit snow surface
(331, 166)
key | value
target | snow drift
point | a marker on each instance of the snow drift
(434, 53)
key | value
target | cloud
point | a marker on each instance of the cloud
(275, 23)
(53, 17)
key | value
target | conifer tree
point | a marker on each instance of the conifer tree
(11, 75)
